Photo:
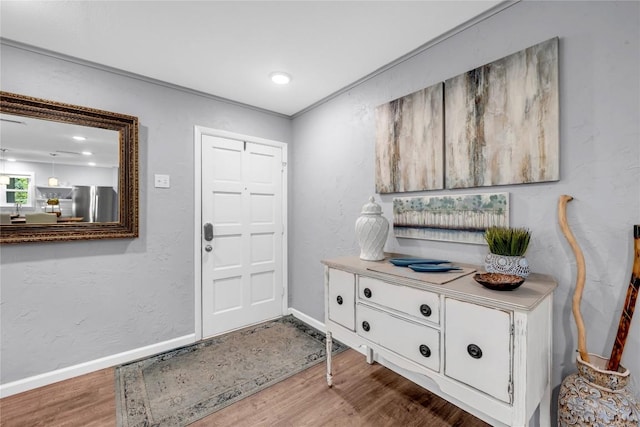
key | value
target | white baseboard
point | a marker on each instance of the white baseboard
(47, 378)
(308, 319)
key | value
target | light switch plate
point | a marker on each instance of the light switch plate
(162, 181)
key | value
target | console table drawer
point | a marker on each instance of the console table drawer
(342, 292)
(413, 341)
(478, 343)
(422, 305)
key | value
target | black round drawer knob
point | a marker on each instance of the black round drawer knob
(425, 350)
(339, 299)
(425, 310)
(367, 292)
(474, 351)
(366, 326)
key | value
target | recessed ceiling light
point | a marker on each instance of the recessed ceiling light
(92, 164)
(79, 138)
(280, 78)
(87, 153)
(11, 159)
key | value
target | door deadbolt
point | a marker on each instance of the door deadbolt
(208, 232)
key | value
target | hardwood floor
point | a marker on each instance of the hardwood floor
(88, 400)
(362, 395)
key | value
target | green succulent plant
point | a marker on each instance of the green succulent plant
(507, 241)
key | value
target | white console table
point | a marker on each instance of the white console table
(486, 351)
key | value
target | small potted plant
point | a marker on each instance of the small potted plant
(506, 250)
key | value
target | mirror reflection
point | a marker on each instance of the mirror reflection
(52, 172)
(54, 187)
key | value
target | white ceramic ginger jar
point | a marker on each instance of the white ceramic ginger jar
(371, 231)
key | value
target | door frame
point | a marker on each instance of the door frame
(199, 131)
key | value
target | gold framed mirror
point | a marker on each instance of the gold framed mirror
(46, 195)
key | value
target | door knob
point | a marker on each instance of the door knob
(208, 248)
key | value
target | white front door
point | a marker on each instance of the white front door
(242, 264)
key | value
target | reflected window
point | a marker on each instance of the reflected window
(19, 190)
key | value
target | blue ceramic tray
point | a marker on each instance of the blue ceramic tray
(404, 262)
(430, 268)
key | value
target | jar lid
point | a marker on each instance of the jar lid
(372, 207)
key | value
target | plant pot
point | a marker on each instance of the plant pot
(595, 396)
(516, 265)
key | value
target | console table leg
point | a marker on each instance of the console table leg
(369, 355)
(545, 408)
(329, 350)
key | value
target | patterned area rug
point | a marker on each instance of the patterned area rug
(184, 385)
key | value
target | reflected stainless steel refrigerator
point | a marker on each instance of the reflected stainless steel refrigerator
(95, 204)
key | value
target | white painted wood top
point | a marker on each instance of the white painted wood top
(526, 297)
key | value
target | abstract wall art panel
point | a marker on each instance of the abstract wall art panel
(409, 142)
(456, 218)
(502, 124)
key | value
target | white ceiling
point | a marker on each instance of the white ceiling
(28, 139)
(229, 48)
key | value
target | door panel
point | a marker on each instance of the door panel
(262, 287)
(478, 343)
(225, 208)
(263, 209)
(227, 294)
(242, 277)
(342, 298)
(262, 248)
(226, 156)
(228, 252)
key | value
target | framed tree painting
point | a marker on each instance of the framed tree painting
(502, 121)
(455, 218)
(409, 142)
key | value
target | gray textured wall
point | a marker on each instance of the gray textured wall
(76, 302)
(600, 164)
(68, 303)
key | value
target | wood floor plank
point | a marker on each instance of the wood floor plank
(88, 400)
(362, 396)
